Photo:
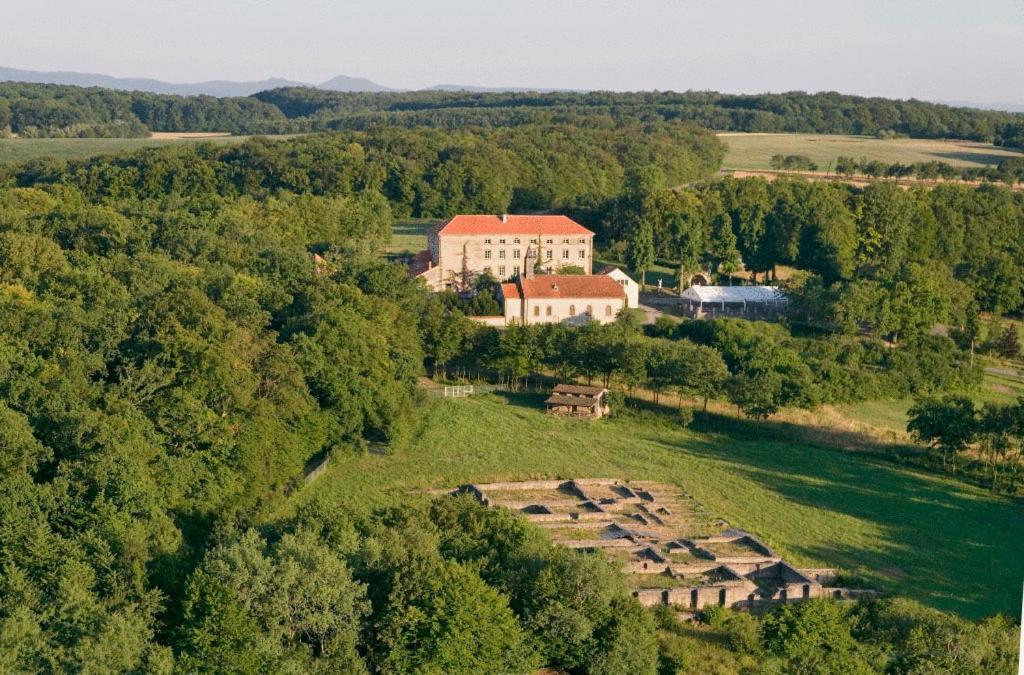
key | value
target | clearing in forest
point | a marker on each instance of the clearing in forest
(943, 542)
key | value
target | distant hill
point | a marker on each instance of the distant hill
(225, 88)
(346, 83)
(492, 90)
(220, 88)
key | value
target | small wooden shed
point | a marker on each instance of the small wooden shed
(577, 400)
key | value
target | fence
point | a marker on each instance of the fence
(458, 391)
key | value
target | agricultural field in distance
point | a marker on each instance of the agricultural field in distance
(16, 150)
(943, 542)
(753, 151)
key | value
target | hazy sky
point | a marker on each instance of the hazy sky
(932, 49)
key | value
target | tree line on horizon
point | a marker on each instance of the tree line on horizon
(65, 111)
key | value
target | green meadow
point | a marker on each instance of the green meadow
(948, 544)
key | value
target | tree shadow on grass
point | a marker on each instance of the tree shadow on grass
(989, 159)
(946, 543)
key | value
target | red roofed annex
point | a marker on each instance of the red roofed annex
(562, 298)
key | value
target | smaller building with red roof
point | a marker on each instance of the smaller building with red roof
(562, 298)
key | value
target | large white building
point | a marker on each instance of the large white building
(468, 245)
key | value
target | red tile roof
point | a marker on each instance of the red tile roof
(484, 224)
(510, 291)
(568, 286)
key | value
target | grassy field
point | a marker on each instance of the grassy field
(945, 543)
(753, 151)
(14, 150)
(410, 235)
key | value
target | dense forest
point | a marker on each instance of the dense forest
(54, 110)
(429, 173)
(895, 260)
(171, 357)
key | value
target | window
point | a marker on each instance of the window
(565, 241)
(501, 271)
(547, 254)
(487, 241)
(607, 310)
(501, 241)
(565, 254)
(487, 270)
(590, 310)
(547, 311)
(572, 310)
(583, 254)
(515, 254)
(551, 241)
(501, 254)
(487, 255)
(516, 240)
(534, 241)
(536, 310)
(583, 241)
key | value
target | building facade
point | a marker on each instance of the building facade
(631, 287)
(470, 245)
(562, 298)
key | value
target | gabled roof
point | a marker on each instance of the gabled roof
(578, 401)
(527, 225)
(510, 291)
(736, 294)
(577, 389)
(569, 286)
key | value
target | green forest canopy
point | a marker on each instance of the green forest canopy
(170, 358)
(56, 110)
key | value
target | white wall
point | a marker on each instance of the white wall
(631, 287)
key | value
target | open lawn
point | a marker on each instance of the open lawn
(945, 543)
(15, 150)
(754, 151)
(410, 235)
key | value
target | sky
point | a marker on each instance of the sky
(944, 50)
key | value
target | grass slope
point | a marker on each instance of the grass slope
(945, 543)
(754, 151)
(410, 235)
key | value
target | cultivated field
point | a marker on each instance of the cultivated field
(754, 151)
(948, 544)
(15, 150)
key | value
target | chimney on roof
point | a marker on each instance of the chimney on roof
(504, 217)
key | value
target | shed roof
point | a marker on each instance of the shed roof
(578, 389)
(488, 224)
(737, 294)
(578, 401)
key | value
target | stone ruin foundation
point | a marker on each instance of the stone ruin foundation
(674, 552)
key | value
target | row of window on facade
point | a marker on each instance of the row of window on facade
(608, 310)
(534, 241)
(516, 254)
